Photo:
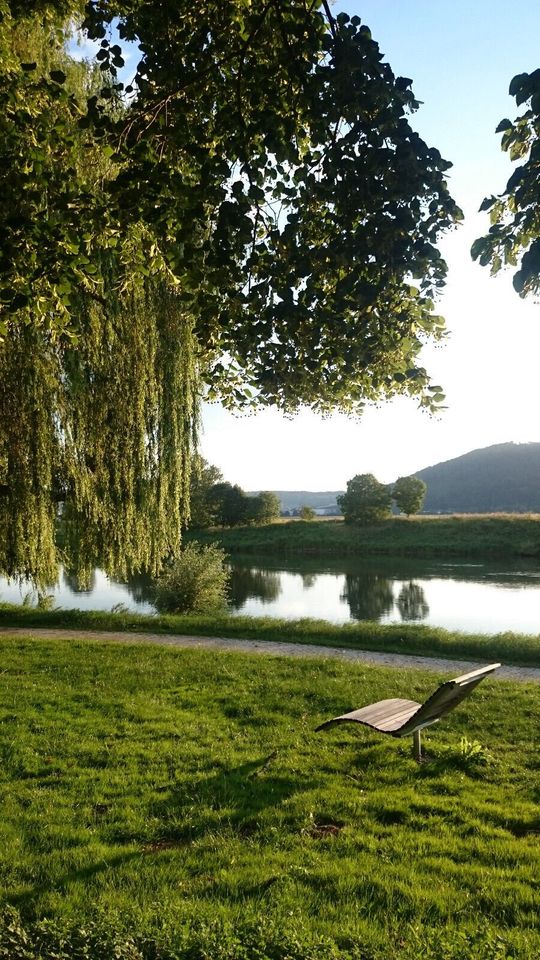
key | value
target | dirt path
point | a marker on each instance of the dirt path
(273, 648)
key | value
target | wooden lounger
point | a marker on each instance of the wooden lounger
(399, 718)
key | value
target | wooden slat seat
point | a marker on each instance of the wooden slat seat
(398, 718)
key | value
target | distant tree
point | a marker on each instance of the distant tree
(231, 506)
(204, 476)
(409, 493)
(269, 506)
(229, 503)
(365, 501)
(306, 512)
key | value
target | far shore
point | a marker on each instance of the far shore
(501, 535)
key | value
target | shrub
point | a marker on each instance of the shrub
(195, 582)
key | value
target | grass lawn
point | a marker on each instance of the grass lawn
(177, 804)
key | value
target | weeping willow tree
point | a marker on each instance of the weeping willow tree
(253, 210)
(104, 428)
(98, 415)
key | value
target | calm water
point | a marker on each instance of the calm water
(474, 597)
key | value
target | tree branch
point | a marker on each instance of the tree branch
(332, 23)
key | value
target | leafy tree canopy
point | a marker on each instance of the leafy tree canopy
(514, 236)
(365, 500)
(253, 212)
(409, 493)
(262, 160)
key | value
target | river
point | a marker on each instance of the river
(489, 597)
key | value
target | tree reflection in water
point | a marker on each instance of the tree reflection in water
(80, 582)
(370, 596)
(412, 603)
(141, 588)
(246, 583)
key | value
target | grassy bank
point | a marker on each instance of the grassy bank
(490, 535)
(363, 635)
(172, 804)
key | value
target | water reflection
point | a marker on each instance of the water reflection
(476, 597)
(368, 595)
(412, 603)
(247, 583)
(141, 588)
(77, 583)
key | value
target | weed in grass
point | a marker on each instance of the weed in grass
(473, 753)
(119, 608)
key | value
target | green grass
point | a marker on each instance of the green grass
(463, 535)
(521, 649)
(181, 802)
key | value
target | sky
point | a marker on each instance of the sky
(461, 56)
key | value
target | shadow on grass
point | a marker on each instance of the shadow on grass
(24, 900)
(233, 799)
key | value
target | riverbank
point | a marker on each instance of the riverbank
(509, 648)
(463, 535)
(274, 649)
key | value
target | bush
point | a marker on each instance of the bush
(196, 582)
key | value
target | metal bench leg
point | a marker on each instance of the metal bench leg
(417, 745)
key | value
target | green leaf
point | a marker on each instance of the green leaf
(487, 203)
(518, 281)
(478, 247)
(516, 83)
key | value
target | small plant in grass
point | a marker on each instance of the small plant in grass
(43, 601)
(195, 582)
(119, 608)
(471, 751)
(469, 756)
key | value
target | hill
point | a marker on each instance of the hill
(502, 478)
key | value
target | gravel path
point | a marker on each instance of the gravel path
(438, 665)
